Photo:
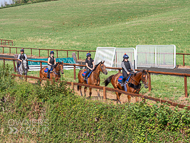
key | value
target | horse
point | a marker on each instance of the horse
(94, 78)
(55, 72)
(133, 85)
(23, 69)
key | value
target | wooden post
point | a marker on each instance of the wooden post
(57, 53)
(4, 63)
(67, 54)
(185, 86)
(16, 50)
(9, 50)
(8, 42)
(39, 52)
(119, 70)
(72, 86)
(149, 81)
(12, 43)
(31, 51)
(40, 65)
(3, 50)
(104, 92)
(14, 65)
(183, 60)
(78, 55)
(74, 72)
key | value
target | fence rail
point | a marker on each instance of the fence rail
(6, 42)
(185, 75)
(47, 50)
(112, 90)
(58, 51)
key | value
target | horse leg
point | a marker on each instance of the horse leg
(129, 98)
(90, 91)
(79, 88)
(98, 91)
(85, 91)
(118, 97)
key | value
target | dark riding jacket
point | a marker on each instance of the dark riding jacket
(126, 67)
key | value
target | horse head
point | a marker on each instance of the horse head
(59, 67)
(144, 78)
(103, 68)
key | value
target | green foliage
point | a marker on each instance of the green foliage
(71, 118)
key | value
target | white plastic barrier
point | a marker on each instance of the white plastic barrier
(160, 56)
(119, 56)
(106, 54)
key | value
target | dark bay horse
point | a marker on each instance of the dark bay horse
(56, 71)
(94, 78)
(133, 84)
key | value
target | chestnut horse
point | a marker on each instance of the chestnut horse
(133, 84)
(55, 73)
(94, 78)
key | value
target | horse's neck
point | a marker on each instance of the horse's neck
(57, 70)
(137, 78)
(97, 71)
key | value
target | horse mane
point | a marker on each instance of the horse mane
(57, 64)
(143, 71)
(97, 65)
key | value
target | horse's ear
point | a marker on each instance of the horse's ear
(62, 62)
(103, 62)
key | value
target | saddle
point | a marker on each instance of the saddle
(121, 78)
(46, 70)
(84, 73)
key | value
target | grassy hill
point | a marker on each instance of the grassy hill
(86, 24)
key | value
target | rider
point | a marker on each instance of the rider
(51, 63)
(21, 57)
(126, 68)
(89, 64)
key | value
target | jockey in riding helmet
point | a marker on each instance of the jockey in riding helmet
(89, 64)
(21, 57)
(126, 68)
(51, 63)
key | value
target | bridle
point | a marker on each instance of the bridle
(143, 80)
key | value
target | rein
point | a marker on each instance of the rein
(137, 83)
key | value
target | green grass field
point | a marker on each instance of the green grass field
(85, 24)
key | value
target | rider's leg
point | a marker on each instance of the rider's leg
(124, 79)
(87, 72)
(49, 68)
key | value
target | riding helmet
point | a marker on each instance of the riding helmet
(88, 55)
(52, 52)
(22, 50)
(125, 56)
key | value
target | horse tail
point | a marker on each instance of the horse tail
(108, 80)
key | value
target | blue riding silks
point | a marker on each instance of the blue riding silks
(121, 78)
(46, 70)
(84, 73)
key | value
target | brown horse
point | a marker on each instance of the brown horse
(133, 84)
(94, 78)
(55, 74)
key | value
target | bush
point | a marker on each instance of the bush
(70, 118)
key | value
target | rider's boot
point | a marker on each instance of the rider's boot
(123, 81)
(85, 77)
(48, 75)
